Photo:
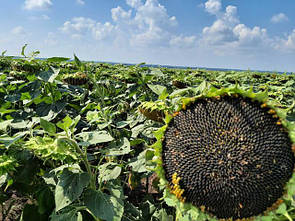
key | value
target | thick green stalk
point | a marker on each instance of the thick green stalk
(85, 161)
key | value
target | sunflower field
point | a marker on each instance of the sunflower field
(84, 141)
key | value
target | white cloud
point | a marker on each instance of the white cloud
(228, 32)
(151, 14)
(76, 36)
(248, 36)
(221, 30)
(183, 41)
(119, 14)
(290, 42)
(230, 15)
(134, 3)
(37, 4)
(150, 34)
(218, 33)
(103, 31)
(19, 30)
(80, 2)
(286, 44)
(213, 6)
(152, 24)
(80, 26)
(281, 17)
(144, 25)
(154, 36)
(227, 35)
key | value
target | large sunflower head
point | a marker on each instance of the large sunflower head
(227, 153)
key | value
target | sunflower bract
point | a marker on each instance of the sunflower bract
(232, 155)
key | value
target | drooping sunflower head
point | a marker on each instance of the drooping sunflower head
(229, 155)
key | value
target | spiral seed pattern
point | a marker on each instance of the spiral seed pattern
(233, 155)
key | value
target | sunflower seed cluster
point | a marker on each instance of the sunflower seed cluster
(232, 154)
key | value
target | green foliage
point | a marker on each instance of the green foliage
(81, 151)
(7, 164)
(69, 215)
(104, 206)
(69, 187)
(49, 148)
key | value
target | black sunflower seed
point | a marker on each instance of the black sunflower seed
(232, 156)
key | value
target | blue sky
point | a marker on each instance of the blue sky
(255, 35)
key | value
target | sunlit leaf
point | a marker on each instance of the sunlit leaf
(47, 126)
